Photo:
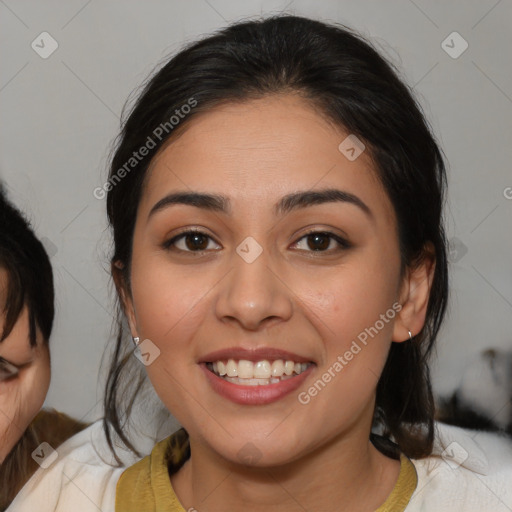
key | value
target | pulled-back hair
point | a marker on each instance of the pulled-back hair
(346, 79)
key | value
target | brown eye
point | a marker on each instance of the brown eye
(190, 241)
(319, 241)
(322, 241)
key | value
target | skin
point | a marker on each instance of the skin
(312, 303)
(22, 394)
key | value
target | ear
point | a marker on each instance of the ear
(414, 296)
(125, 296)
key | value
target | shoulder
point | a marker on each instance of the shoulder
(80, 474)
(49, 426)
(145, 485)
(468, 470)
(138, 485)
(56, 427)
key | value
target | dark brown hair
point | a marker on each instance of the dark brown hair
(352, 85)
(29, 274)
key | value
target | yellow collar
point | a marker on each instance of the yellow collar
(146, 487)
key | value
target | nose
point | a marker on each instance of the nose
(253, 294)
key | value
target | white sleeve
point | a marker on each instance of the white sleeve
(80, 476)
(468, 471)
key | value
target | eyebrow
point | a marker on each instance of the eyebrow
(288, 203)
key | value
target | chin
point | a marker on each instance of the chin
(257, 452)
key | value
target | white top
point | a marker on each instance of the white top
(469, 471)
(81, 478)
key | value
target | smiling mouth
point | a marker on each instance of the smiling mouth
(257, 373)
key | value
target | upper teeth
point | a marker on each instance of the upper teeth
(264, 369)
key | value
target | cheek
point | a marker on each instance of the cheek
(10, 402)
(166, 304)
(348, 301)
(20, 400)
(170, 307)
(41, 385)
(33, 388)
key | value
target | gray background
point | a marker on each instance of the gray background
(61, 114)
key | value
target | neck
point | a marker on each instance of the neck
(347, 473)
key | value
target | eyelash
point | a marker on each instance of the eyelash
(342, 242)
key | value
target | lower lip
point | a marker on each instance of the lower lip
(255, 395)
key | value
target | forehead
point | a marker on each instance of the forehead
(257, 151)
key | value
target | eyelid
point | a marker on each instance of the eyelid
(11, 368)
(342, 238)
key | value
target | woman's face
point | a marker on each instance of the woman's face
(24, 377)
(256, 282)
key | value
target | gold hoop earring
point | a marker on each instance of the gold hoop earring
(410, 335)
